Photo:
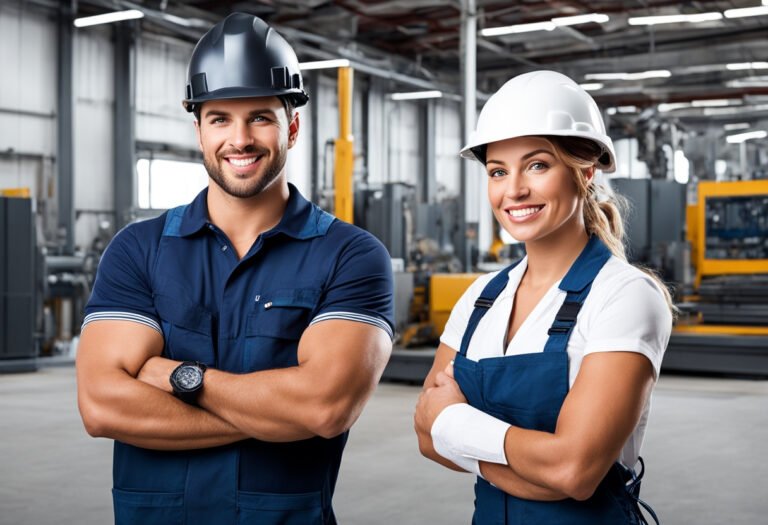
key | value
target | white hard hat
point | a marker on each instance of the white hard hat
(541, 103)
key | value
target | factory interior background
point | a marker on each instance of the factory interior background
(93, 137)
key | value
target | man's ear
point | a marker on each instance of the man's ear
(293, 130)
(198, 132)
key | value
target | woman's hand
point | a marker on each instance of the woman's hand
(433, 400)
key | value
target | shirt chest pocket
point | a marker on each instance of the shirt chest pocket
(187, 329)
(275, 325)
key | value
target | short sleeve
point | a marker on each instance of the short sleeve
(361, 286)
(122, 290)
(461, 312)
(634, 318)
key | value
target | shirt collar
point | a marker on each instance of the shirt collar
(301, 219)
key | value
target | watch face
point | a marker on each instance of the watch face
(189, 377)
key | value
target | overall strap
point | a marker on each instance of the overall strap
(173, 221)
(484, 303)
(576, 283)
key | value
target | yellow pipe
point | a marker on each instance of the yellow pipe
(714, 329)
(344, 149)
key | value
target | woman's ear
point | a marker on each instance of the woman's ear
(589, 173)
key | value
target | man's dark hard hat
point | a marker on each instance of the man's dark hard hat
(243, 57)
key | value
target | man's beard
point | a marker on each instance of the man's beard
(250, 187)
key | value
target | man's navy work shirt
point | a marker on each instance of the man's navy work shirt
(219, 310)
(179, 275)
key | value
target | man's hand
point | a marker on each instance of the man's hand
(433, 400)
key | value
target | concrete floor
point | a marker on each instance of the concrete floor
(706, 452)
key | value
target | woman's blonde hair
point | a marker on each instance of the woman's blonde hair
(603, 209)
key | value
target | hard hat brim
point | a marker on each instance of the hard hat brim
(298, 97)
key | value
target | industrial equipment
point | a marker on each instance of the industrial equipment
(18, 291)
(724, 322)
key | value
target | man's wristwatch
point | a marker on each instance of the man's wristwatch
(187, 381)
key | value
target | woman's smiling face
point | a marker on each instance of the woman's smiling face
(531, 191)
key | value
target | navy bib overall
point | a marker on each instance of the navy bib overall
(527, 391)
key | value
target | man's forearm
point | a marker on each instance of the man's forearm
(133, 412)
(271, 405)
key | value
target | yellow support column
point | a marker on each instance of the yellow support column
(344, 150)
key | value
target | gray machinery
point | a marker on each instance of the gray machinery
(656, 225)
(18, 290)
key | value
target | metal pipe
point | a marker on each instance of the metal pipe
(468, 55)
(28, 113)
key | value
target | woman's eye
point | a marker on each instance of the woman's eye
(496, 173)
(537, 166)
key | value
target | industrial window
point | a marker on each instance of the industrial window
(164, 184)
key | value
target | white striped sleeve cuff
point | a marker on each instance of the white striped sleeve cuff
(121, 316)
(354, 316)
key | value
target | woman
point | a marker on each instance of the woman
(542, 380)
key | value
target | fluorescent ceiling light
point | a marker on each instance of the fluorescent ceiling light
(747, 11)
(741, 137)
(714, 103)
(671, 106)
(519, 28)
(736, 125)
(760, 81)
(414, 95)
(580, 19)
(622, 109)
(641, 75)
(747, 65)
(324, 64)
(675, 19)
(735, 110)
(107, 18)
(548, 25)
(591, 86)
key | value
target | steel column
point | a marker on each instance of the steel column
(65, 131)
(123, 126)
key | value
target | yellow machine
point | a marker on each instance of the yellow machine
(432, 305)
(729, 211)
(728, 233)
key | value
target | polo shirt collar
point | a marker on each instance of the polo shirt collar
(301, 219)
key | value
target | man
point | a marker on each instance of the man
(230, 344)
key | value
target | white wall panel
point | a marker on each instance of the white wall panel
(404, 130)
(28, 51)
(447, 147)
(93, 122)
(28, 44)
(298, 165)
(27, 134)
(161, 69)
(327, 125)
